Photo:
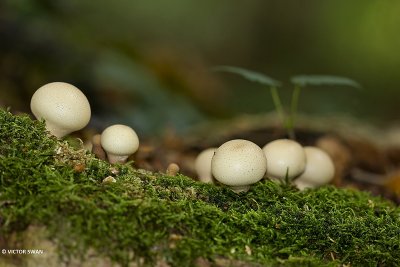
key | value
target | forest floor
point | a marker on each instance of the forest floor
(55, 197)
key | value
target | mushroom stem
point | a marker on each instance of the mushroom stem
(113, 158)
(206, 179)
(240, 188)
(302, 185)
(55, 130)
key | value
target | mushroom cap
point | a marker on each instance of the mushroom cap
(202, 164)
(319, 169)
(119, 140)
(285, 157)
(238, 163)
(63, 106)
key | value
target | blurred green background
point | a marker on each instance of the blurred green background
(146, 63)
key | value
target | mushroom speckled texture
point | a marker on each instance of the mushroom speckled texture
(63, 106)
(238, 164)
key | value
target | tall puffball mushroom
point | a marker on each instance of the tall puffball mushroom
(202, 165)
(119, 141)
(63, 106)
(319, 170)
(286, 158)
(239, 163)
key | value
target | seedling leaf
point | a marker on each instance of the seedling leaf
(304, 80)
(249, 75)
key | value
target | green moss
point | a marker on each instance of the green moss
(145, 217)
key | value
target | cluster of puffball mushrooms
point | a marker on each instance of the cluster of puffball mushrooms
(240, 163)
(66, 109)
(236, 163)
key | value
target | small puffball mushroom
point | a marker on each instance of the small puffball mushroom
(97, 149)
(119, 141)
(285, 158)
(172, 169)
(63, 106)
(238, 163)
(319, 169)
(202, 165)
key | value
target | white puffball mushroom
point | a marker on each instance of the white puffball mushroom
(202, 165)
(63, 106)
(319, 170)
(285, 158)
(239, 163)
(119, 141)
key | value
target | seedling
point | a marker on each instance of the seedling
(299, 81)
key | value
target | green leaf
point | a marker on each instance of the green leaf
(249, 75)
(304, 80)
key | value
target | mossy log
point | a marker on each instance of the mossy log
(53, 198)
